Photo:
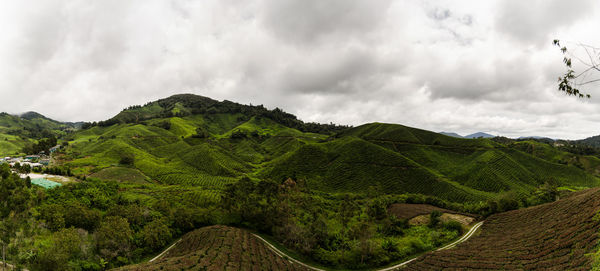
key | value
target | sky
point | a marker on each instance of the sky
(457, 66)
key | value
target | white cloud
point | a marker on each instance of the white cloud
(460, 66)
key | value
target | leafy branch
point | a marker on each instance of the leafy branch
(570, 82)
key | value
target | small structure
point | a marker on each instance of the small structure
(55, 148)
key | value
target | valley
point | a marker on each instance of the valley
(213, 173)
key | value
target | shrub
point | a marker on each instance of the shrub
(434, 218)
(127, 159)
(453, 226)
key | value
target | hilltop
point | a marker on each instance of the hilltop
(183, 105)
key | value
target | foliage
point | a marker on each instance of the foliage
(569, 82)
(345, 232)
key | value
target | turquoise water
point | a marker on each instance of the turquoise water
(45, 183)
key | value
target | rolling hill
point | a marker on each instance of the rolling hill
(412, 160)
(16, 131)
(194, 140)
(248, 166)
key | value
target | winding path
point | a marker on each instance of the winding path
(283, 255)
(165, 251)
(449, 246)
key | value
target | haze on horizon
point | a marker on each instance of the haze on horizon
(456, 66)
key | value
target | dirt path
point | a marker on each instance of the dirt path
(165, 251)
(449, 246)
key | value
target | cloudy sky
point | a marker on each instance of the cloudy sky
(461, 66)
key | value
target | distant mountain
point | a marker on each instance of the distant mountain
(18, 131)
(451, 134)
(479, 134)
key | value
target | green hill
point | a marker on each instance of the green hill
(17, 131)
(194, 140)
(406, 159)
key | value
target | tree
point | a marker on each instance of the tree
(113, 237)
(65, 245)
(571, 81)
(434, 218)
(127, 159)
(156, 234)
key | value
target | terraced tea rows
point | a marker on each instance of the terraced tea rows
(204, 197)
(219, 248)
(553, 236)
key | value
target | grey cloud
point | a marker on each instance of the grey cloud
(478, 79)
(533, 21)
(314, 20)
(435, 65)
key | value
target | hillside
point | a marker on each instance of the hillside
(339, 196)
(218, 248)
(552, 236)
(406, 159)
(17, 131)
(182, 105)
(589, 163)
(194, 140)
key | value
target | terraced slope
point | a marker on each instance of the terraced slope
(403, 159)
(589, 163)
(553, 236)
(194, 140)
(175, 155)
(218, 248)
(352, 164)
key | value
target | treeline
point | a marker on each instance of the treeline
(203, 105)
